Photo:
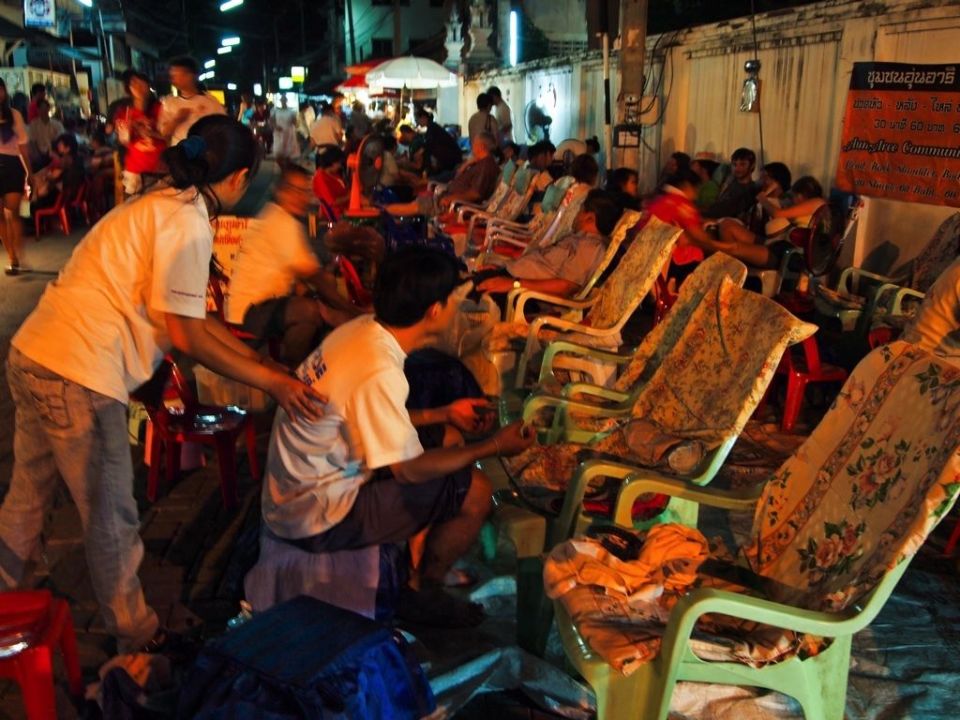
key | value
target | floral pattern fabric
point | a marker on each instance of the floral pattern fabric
(858, 498)
(705, 388)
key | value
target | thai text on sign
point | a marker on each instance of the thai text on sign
(901, 133)
(228, 233)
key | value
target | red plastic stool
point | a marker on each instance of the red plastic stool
(33, 624)
(801, 374)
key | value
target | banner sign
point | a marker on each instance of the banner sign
(228, 233)
(39, 13)
(901, 133)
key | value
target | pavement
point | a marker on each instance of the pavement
(193, 566)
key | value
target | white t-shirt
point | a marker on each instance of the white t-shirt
(327, 130)
(273, 254)
(501, 111)
(483, 122)
(101, 324)
(199, 105)
(19, 137)
(315, 469)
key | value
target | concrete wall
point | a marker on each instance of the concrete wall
(696, 76)
(419, 21)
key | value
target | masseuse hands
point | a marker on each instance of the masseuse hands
(299, 400)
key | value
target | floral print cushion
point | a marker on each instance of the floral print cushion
(939, 253)
(658, 342)
(706, 388)
(869, 484)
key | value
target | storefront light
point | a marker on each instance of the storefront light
(257, 89)
(224, 50)
(209, 64)
(230, 41)
(513, 38)
(87, 3)
(285, 83)
(230, 5)
(231, 86)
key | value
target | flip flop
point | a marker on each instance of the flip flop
(433, 607)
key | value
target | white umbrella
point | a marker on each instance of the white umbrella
(412, 73)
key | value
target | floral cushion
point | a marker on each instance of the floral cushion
(706, 387)
(939, 253)
(869, 484)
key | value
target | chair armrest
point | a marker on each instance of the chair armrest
(538, 402)
(560, 324)
(851, 277)
(637, 481)
(597, 391)
(902, 294)
(568, 348)
(524, 296)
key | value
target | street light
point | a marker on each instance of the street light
(230, 5)
(209, 64)
(230, 41)
(232, 86)
(224, 50)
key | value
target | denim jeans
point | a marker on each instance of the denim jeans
(65, 430)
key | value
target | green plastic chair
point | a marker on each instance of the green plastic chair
(834, 530)
(711, 407)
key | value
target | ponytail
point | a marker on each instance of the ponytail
(217, 146)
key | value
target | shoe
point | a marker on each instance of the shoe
(12, 270)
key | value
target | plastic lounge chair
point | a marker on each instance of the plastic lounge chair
(801, 372)
(606, 312)
(829, 545)
(553, 197)
(513, 205)
(706, 387)
(216, 426)
(858, 293)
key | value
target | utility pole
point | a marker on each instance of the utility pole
(633, 51)
(397, 29)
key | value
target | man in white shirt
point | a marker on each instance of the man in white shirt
(482, 121)
(501, 111)
(327, 129)
(274, 255)
(42, 131)
(360, 476)
(179, 112)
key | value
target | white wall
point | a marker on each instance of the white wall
(807, 55)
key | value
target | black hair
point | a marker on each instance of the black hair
(516, 149)
(389, 142)
(411, 280)
(540, 148)
(330, 156)
(423, 112)
(709, 166)
(682, 160)
(484, 102)
(494, 91)
(684, 177)
(584, 169)
(129, 75)
(779, 173)
(222, 147)
(187, 63)
(593, 144)
(620, 177)
(6, 115)
(412, 129)
(70, 140)
(808, 187)
(99, 136)
(604, 209)
(37, 88)
(744, 154)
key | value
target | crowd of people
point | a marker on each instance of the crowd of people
(349, 464)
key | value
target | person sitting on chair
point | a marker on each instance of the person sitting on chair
(371, 471)
(274, 255)
(566, 266)
(328, 184)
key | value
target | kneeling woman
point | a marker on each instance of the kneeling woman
(134, 288)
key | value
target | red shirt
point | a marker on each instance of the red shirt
(33, 112)
(676, 209)
(144, 145)
(329, 188)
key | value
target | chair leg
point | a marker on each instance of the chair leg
(174, 449)
(37, 223)
(68, 646)
(35, 677)
(64, 220)
(251, 441)
(796, 387)
(226, 459)
(153, 477)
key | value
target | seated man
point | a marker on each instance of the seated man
(474, 182)
(274, 255)
(936, 327)
(565, 266)
(359, 476)
(738, 193)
